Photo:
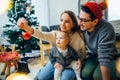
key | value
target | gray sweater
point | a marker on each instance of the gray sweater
(56, 56)
(101, 42)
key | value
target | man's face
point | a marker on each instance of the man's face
(85, 22)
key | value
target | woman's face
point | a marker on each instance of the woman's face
(66, 23)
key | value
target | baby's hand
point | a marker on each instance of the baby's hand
(57, 65)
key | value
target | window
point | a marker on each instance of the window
(113, 10)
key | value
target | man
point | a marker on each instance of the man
(99, 37)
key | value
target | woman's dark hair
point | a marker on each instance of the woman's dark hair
(74, 19)
(87, 10)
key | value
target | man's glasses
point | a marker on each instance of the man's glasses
(83, 20)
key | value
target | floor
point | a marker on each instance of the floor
(34, 66)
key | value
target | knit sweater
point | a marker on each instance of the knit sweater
(76, 41)
(101, 42)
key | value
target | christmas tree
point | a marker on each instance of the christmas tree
(14, 35)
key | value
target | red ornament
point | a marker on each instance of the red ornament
(26, 36)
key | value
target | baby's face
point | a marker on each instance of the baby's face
(61, 39)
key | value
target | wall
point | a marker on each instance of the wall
(56, 7)
(3, 21)
(48, 11)
(41, 11)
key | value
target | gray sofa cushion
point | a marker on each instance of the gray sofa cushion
(54, 27)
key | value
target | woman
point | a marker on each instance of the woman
(68, 24)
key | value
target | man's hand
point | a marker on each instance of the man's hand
(79, 65)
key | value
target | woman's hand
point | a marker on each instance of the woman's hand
(23, 24)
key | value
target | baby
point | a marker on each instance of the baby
(64, 56)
